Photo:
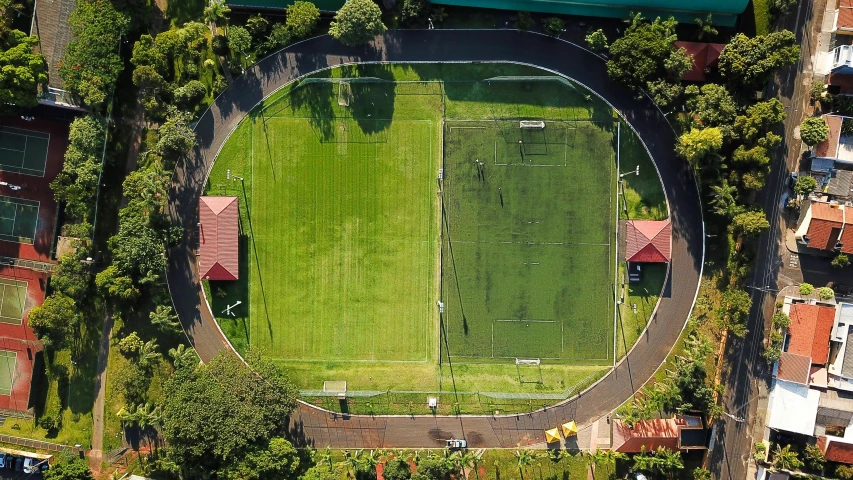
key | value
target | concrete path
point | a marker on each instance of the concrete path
(311, 426)
(97, 452)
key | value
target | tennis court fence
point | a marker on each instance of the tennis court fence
(38, 444)
(29, 264)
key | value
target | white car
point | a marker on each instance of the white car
(455, 443)
(29, 465)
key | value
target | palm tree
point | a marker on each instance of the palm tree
(523, 459)
(668, 462)
(148, 354)
(786, 459)
(352, 462)
(216, 13)
(643, 462)
(706, 28)
(183, 356)
(369, 461)
(471, 461)
(325, 457)
(723, 198)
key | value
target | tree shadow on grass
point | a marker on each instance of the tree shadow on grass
(372, 103)
(315, 100)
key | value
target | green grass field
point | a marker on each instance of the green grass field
(341, 249)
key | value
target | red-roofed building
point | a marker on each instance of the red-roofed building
(705, 56)
(808, 333)
(829, 147)
(844, 17)
(680, 433)
(218, 252)
(827, 226)
(648, 241)
(835, 450)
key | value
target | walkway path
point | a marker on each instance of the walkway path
(320, 428)
(97, 452)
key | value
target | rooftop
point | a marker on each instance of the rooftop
(829, 147)
(648, 241)
(792, 407)
(835, 450)
(809, 331)
(218, 238)
(840, 183)
(704, 55)
(51, 24)
(794, 368)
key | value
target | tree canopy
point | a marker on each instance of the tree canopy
(69, 467)
(750, 62)
(712, 105)
(357, 22)
(55, 320)
(814, 130)
(21, 71)
(302, 17)
(77, 183)
(750, 223)
(697, 144)
(645, 52)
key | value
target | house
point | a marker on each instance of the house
(684, 432)
(705, 56)
(218, 251)
(648, 241)
(835, 450)
(826, 226)
(51, 22)
(724, 12)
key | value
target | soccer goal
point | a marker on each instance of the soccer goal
(528, 370)
(344, 94)
(535, 124)
(527, 361)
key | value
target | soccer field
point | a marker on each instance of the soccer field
(349, 240)
(528, 249)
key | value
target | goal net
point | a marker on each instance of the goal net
(531, 124)
(344, 94)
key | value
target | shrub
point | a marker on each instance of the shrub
(806, 289)
(597, 41)
(844, 472)
(840, 261)
(825, 293)
(805, 185)
(554, 26)
(759, 452)
(302, 18)
(190, 94)
(130, 344)
(48, 422)
(780, 320)
(814, 130)
(523, 21)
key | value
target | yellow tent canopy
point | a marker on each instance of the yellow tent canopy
(570, 429)
(552, 435)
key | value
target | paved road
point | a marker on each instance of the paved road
(730, 458)
(320, 428)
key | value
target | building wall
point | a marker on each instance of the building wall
(724, 12)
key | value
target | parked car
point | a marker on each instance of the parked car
(19, 464)
(29, 465)
(3, 460)
(10, 462)
(455, 443)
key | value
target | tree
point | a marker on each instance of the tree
(753, 157)
(678, 63)
(844, 472)
(207, 420)
(825, 293)
(554, 26)
(278, 38)
(840, 261)
(131, 344)
(176, 137)
(697, 144)
(148, 355)
(77, 183)
(750, 223)
(735, 305)
(712, 105)
(146, 191)
(759, 118)
(724, 200)
(69, 467)
(523, 458)
(257, 26)
(815, 458)
(414, 11)
(639, 56)
(806, 288)
(397, 469)
(814, 130)
(164, 318)
(663, 92)
(91, 64)
(780, 320)
(805, 185)
(597, 41)
(239, 41)
(785, 458)
(192, 93)
(523, 21)
(772, 352)
(275, 459)
(115, 284)
(21, 71)
(668, 462)
(183, 357)
(55, 320)
(302, 17)
(705, 28)
(749, 62)
(72, 278)
(357, 22)
(216, 12)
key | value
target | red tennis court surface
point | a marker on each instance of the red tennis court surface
(36, 188)
(21, 339)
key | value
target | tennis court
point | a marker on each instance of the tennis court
(18, 219)
(8, 361)
(23, 151)
(13, 300)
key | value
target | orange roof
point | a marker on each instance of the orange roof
(704, 55)
(825, 225)
(845, 18)
(829, 147)
(650, 434)
(218, 238)
(648, 241)
(794, 368)
(809, 331)
(836, 451)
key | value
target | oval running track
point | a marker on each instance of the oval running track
(320, 428)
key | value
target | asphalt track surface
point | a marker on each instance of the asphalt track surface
(319, 428)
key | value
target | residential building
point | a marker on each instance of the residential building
(826, 226)
(684, 432)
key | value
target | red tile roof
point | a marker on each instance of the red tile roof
(829, 147)
(825, 225)
(650, 434)
(704, 55)
(845, 18)
(836, 451)
(809, 331)
(845, 3)
(218, 238)
(648, 241)
(794, 368)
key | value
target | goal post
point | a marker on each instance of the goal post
(344, 94)
(527, 361)
(536, 124)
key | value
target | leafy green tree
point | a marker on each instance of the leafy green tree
(116, 284)
(279, 37)
(239, 41)
(523, 21)
(148, 356)
(190, 94)
(705, 28)
(749, 62)
(806, 288)
(785, 458)
(164, 318)
(77, 183)
(216, 12)
(69, 467)
(397, 469)
(21, 71)
(696, 145)
(840, 261)
(91, 64)
(640, 55)
(712, 105)
(302, 17)
(72, 278)
(276, 459)
(754, 157)
(357, 22)
(597, 41)
(805, 185)
(138, 252)
(554, 26)
(844, 472)
(772, 352)
(663, 92)
(780, 320)
(759, 118)
(183, 357)
(176, 137)
(678, 63)
(146, 191)
(131, 344)
(814, 130)
(414, 11)
(750, 223)
(825, 293)
(735, 305)
(668, 462)
(257, 26)
(206, 420)
(814, 457)
(55, 320)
